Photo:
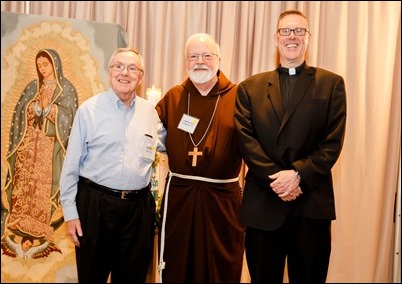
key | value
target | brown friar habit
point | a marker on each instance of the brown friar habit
(204, 241)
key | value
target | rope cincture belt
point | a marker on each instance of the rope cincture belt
(161, 265)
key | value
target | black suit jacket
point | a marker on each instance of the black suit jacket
(308, 138)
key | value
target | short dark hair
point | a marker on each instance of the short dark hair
(27, 238)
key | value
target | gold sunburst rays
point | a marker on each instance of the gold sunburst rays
(18, 68)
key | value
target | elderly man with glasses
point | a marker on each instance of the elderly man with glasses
(105, 181)
(201, 239)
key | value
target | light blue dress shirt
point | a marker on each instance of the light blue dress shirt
(111, 145)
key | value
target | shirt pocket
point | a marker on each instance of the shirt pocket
(148, 147)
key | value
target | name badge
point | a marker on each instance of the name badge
(188, 123)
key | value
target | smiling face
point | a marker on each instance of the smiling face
(125, 75)
(202, 59)
(292, 48)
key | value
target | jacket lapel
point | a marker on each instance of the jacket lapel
(274, 96)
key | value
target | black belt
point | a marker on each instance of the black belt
(122, 194)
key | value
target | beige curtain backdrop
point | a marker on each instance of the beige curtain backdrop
(360, 40)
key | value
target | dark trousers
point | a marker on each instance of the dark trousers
(306, 243)
(118, 236)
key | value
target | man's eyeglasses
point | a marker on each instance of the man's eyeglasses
(205, 56)
(296, 31)
(132, 69)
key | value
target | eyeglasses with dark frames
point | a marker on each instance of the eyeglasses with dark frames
(296, 31)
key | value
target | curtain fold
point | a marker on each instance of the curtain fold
(359, 40)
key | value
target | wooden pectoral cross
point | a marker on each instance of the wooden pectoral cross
(194, 153)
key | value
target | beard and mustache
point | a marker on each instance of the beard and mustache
(201, 73)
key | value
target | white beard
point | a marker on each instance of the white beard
(200, 76)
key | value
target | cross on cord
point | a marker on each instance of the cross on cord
(194, 153)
